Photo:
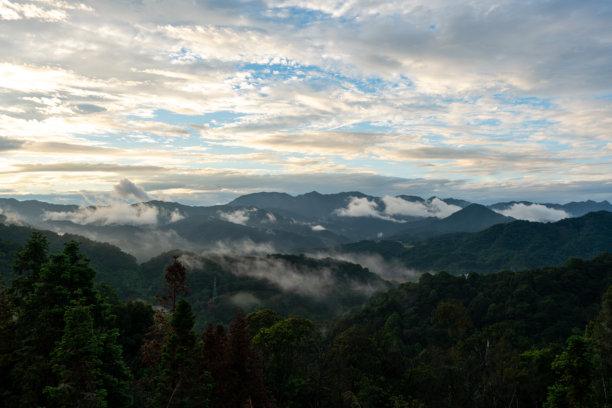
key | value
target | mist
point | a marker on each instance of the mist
(393, 270)
(534, 212)
(115, 214)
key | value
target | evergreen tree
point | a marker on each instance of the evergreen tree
(76, 360)
(180, 383)
(28, 265)
(174, 284)
(46, 319)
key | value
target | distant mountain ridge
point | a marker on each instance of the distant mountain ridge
(473, 218)
(277, 222)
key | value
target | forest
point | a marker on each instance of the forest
(539, 337)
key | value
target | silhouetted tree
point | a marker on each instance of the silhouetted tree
(174, 284)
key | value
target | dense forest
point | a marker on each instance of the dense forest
(535, 338)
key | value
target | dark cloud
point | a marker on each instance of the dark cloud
(9, 144)
(126, 190)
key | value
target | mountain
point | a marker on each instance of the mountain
(573, 209)
(310, 206)
(274, 222)
(146, 229)
(577, 209)
(512, 246)
(472, 218)
(290, 284)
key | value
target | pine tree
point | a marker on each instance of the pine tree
(27, 266)
(76, 360)
(63, 286)
(180, 382)
(174, 284)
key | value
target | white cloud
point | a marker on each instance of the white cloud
(317, 228)
(288, 277)
(242, 247)
(387, 269)
(12, 217)
(430, 208)
(237, 217)
(395, 207)
(115, 214)
(390, 87)
(362, 207)
(534, 212)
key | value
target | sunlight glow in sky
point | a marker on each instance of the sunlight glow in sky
(201, 101)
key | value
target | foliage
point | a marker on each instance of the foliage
(503, 339)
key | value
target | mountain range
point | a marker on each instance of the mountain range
(270, 222)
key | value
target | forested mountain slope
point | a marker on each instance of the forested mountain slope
(513, 246)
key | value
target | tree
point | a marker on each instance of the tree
(28, 265)
(174, 283)
(47, 318)
(574, 368)
(290, 349)
(76, 360)
(180, 383)
(600, 333)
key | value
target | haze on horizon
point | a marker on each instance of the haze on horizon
(202, 101)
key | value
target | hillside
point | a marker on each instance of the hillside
(513, 246)
(472, 218)
(475, 341)
(289, 284)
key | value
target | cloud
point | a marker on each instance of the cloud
(430, 208)
(126, 190)
(362, 207)
(11, 217)
(394, 88)
(534, 212)
(9, 144)
(244, 300)
(392, 269)
(241, 247)
(287, 276)
(116, 214)
(240, 217)
(317, 228)
(395, 207)
(191, 262)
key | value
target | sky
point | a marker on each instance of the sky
(202, 101)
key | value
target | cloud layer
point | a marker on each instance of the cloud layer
(203, 101)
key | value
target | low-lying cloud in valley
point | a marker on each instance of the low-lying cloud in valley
(534, 212)
(395, 207)
(392, 269)
(430, 208)
(362, 207)
(240, 217)
(115, 214)
(244, 246)
(308, 282)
